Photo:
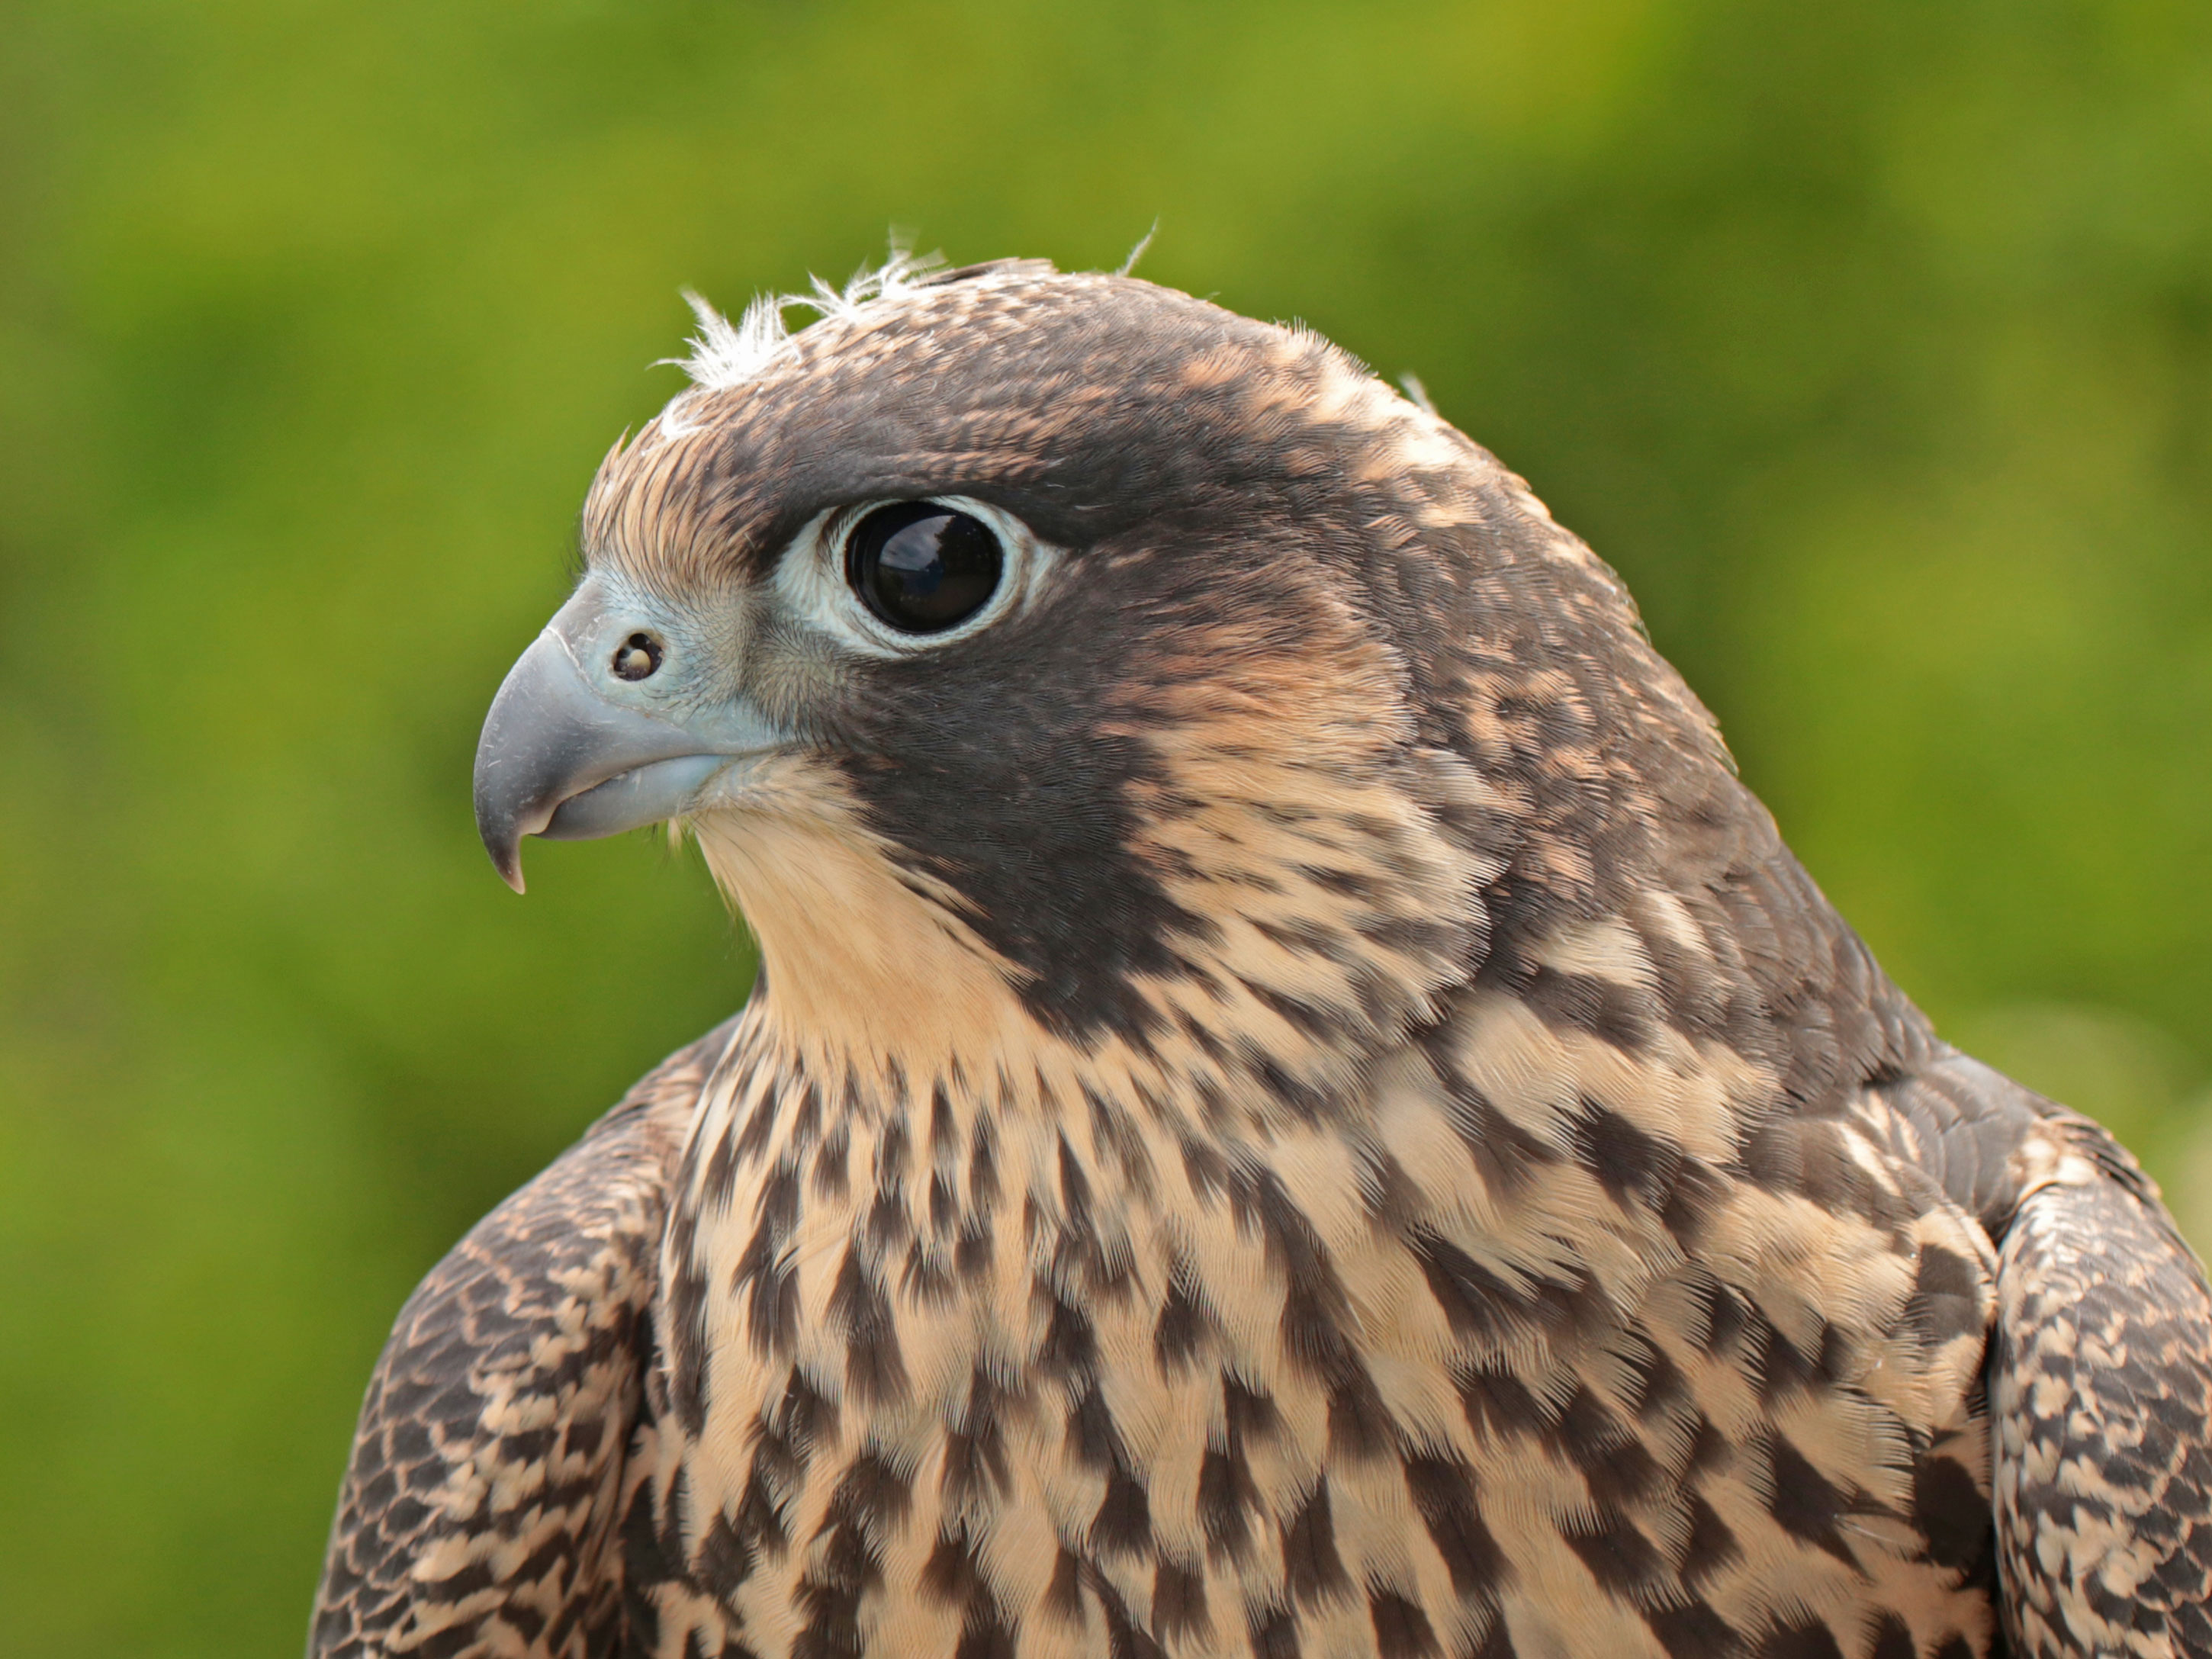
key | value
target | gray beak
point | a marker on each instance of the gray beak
(570, 752)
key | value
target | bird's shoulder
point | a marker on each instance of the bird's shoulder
(483, 1495)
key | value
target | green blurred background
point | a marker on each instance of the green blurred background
(1873, 342)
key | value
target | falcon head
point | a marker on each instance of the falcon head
(1060, 673)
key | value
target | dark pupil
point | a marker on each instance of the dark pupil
(923, 568)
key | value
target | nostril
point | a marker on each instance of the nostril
(637, 658)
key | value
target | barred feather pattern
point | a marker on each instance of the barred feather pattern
(1536, 1357)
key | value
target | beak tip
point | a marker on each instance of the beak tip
(506, 853)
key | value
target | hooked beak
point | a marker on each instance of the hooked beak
(570, 752)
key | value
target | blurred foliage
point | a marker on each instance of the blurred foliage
(1874, 344)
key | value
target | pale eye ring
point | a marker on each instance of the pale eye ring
(896, 577)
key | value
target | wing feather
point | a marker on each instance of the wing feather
(478, 1514)
(2101, 1393)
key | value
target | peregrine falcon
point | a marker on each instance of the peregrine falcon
(1295, 1105)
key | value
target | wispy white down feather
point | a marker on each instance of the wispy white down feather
(1129, 265)
(723, 355)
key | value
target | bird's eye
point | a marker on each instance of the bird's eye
(637, 658)
(923, 568)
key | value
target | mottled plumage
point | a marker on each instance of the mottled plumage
(1296, 1105)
